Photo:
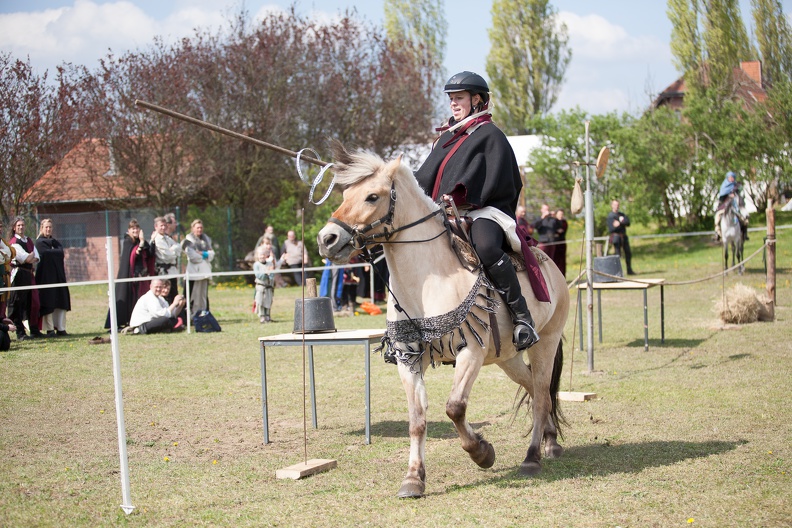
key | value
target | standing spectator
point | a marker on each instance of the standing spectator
(7, 254)
(559, 256)
(617, 223)
(293, 256)
(265, 280)
(24, 305)
(351, 282)
(520, 215)
(330, 285)
(136, 260)
(166, 254)
(198, 247)
(152, 314)
(173, 229)
(55, 302)
(6, 325)
(546, 228)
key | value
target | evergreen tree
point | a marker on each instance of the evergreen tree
(527, 61)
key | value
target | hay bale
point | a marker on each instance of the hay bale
(766, 308)
(741, 305)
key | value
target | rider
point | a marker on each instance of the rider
(473, 163)
(730, 188)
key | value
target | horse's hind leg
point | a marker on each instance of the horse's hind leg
(468, 365)
(414, 482)
(546, 361)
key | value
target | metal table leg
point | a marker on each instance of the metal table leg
(313, 386)
(646, 323)
(368, 392)
(662, 315)
(599, 313)
(580, 319)
(264, 393)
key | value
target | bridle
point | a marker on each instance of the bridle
(362, 241)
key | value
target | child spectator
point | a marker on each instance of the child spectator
(351, 282)
(265, 280)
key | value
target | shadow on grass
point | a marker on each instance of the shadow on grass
(401, 429)
(606, 459)
(669, 343)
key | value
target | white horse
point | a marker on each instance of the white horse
(731, 235)
(438, 309)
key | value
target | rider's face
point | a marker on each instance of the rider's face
(461, 103)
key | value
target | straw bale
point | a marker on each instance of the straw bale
(741, 305)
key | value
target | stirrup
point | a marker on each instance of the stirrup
(525, 335)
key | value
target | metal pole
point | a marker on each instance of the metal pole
(230, 247)
(126, 505)
(589, 240)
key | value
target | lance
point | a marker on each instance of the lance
(227, 132)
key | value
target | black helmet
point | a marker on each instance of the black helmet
(468, 82)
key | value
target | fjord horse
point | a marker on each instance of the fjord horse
(430, 287)
(731, 235)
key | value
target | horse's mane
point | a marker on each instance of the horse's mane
(353, 167)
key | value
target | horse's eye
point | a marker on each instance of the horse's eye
(371, 198)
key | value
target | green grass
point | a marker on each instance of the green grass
(696, 429)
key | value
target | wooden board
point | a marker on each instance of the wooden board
(305, 469)
(576, 396)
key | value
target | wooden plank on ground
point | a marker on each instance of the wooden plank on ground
(576, 396)
(305, 469)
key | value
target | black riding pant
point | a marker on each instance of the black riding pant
(488, 240)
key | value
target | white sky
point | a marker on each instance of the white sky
(620, 48)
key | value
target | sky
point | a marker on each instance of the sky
(620, 48)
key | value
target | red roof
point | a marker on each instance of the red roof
(83, 175)
(748, 86)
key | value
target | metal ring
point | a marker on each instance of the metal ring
(299, 170)
(316, 180)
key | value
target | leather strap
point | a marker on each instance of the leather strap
(439, 177)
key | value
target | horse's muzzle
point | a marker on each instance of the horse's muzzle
(335, 243)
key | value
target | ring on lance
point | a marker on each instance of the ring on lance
(316, 180)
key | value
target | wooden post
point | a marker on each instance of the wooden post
(771, 256)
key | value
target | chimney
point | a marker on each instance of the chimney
(753, 69)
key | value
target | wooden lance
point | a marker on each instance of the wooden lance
(227, 132)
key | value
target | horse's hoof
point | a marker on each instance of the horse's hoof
(485, 458)
(412, 489)
(553, 451)
(530, 469)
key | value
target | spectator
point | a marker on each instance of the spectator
(330, 285)
(520, 215)
(559, 255)
(24, 305)
(269, 234)
(293, 256)
(265, 280)
(7, 254)
(153, 315)
(55, 302)
(351, 282)
(166, 254)
(546, 228)
(198, 247)
(136, 260)
(6, 325)
(617, 223)
(173, 230)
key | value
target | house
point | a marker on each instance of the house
(748, 87)
(79, 194)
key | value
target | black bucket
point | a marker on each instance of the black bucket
(318, 315)
(610, 265)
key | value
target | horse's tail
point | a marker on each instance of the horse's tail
(555, 383)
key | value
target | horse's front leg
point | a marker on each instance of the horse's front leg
(468, 365)
(414, 482)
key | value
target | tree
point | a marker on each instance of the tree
(527, 61)
(774, 36)
(421, 25)
(36, 128)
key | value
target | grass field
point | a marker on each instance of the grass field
(695, 432)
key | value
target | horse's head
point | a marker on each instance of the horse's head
(367, 184)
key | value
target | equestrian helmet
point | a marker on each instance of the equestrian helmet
(468, 82)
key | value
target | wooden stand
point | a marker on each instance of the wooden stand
(305, 469)
(576, 396)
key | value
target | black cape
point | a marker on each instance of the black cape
(484, 167)
(51, 270)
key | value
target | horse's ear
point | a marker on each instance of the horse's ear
(393, 166)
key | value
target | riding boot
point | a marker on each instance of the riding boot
(504, 277)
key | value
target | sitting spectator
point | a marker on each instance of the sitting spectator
(5, 341)
(153, 315)
(294, 256)
(265, 281)
(269, 234)
(55, 302)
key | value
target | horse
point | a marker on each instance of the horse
(438, 309)
(731, 235)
